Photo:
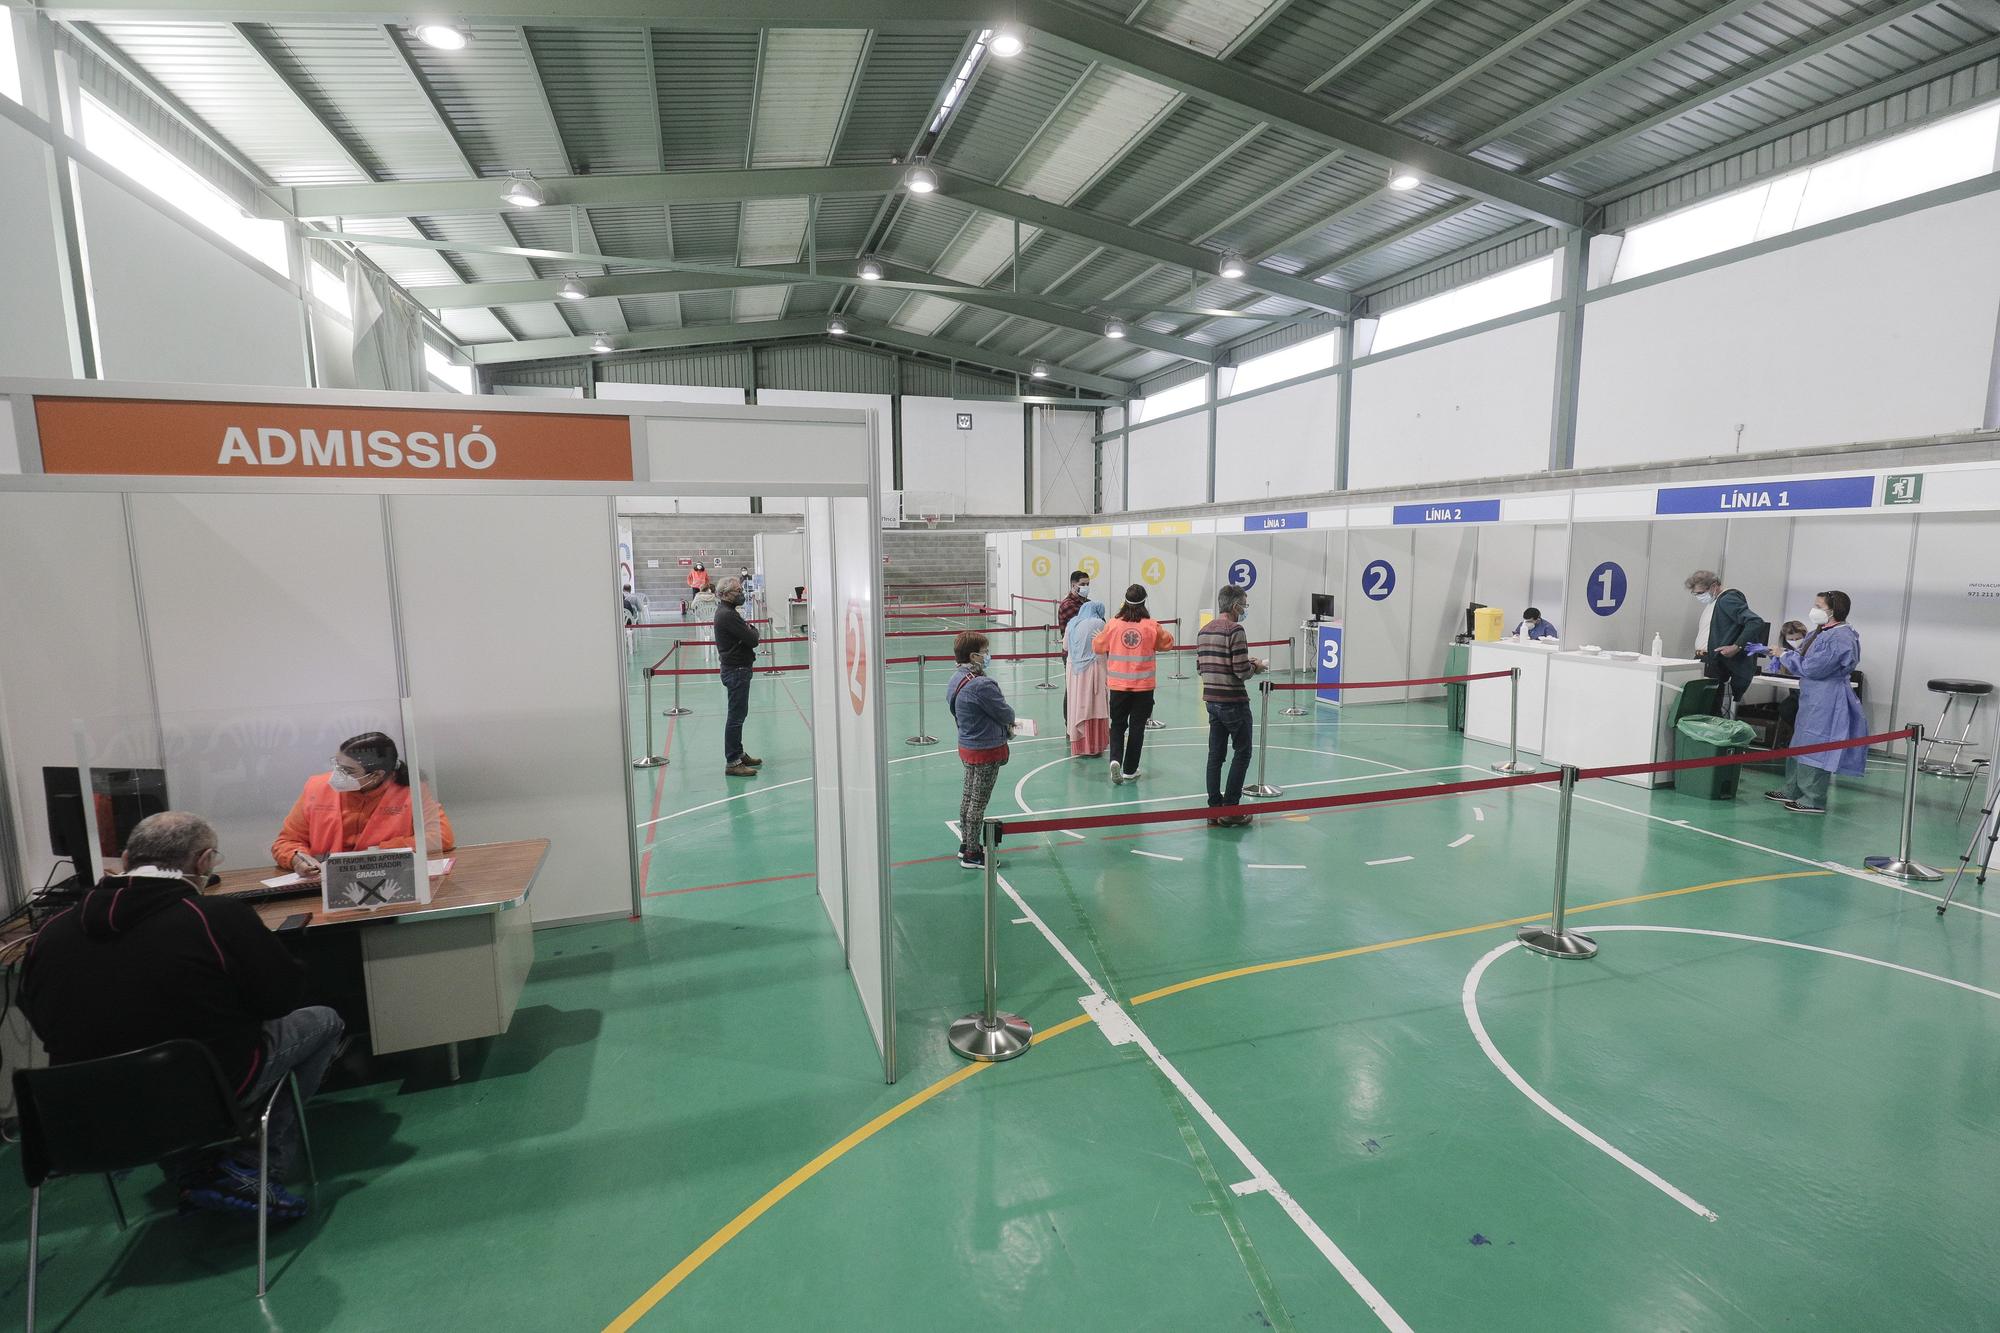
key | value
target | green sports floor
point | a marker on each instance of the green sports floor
(1327, 1093)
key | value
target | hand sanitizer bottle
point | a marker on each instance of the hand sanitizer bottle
(1657, 645)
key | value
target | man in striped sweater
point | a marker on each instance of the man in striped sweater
(1222, 656)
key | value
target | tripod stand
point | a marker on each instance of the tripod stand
(1989, 829)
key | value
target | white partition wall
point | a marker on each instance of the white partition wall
(1376, 605)
(1168, 464)
(1505, 573)
(1092, 555)
(31, 267)
(1244, 560)
(1297, 571)
(1278, 443)
(1043, 575)
(1441, 584)
(1195, 582)
(1674, 551)
(1154, 564)
(1606, 606)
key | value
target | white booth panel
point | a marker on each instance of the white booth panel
(831, 879)
(1278, 443)
(982, 466)
(1954, 621)
(1111, 476)
(1551, 570)
(1092, 555)
(1595, 615)
(846, 647)
(1868, 558)
(1043, 575)
(71, 647)
(1442, 583)
(1169, 463)
(32, 340)
(496, 692)
(1298, 570)
(172, 304)
(1376, 641)
(1155, 565)
(1676, 550)
(1243, 559)
(1195, 581)
(1506, 571)
(1471, 407)
(1884, 332)
(1757, 557)
(878, 403)
(1065, 461)
(797, 446)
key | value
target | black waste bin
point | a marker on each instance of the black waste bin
(1455, 659)
(1706, 738)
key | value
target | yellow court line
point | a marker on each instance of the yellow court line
(736, 1225)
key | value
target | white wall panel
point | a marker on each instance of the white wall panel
(609, 391)
(1473, 407)
(1585, 621)
(1170, 463)
(1954, 621)
(1254, 551)
(1065, 461)
(523, 720)
(1869, 560)
(879, 403)
(1376, 642)
(32, 337)
(1112, 470)
(1551, 570)
(983, 466)
(1278, 443)
(1878, 333)
(1442, 583)
(172, 304)
(1506, 571)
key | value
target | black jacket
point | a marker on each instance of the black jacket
(144, 960)
(735, 639)
(1734, 623)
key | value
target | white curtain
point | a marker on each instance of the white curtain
(388, 344)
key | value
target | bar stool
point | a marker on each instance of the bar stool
(1952, 690)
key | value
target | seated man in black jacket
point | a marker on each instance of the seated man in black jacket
(736, 653)
(145, 958)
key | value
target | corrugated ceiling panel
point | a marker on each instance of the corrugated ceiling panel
(546, 321)
(600, 86)
(1209, 26)
(652, 312)
(1259, 167)
(922, 228)
(1485, 264)
(901, 82)
(1109, 113)
(705, 90)
(216, 75)
(718, 369)
(706, 233)
(924, 314)
(876, 304)
(410, 268)
(774, 231)
(1467, 228)
(707, 308)
(814, 298)
(1312, 36)
(475, 326)
(1333, 187)
(1174, 157)
(480, 230)
(489, 93)
(1004, 108)
(974, 323)
(356, 81)
(1051, 258)
(844, 221)
(1384, 212)
(639, 230)
(1112, 271)
(802, 94)
(982, 250)
(753, 303)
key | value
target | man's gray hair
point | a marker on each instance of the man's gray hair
(1702, 578)
(1229, 599)
(171, 840)
(727, 586)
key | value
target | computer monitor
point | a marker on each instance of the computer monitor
(1322, 604)
(122, 797)
(1470, 607)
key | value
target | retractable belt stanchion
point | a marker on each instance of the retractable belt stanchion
(1901, 866)
(1514, 764)
(1264, 788)
(923, 736)
(990, 1035)
(650, 759)
(677, 710)
(1553, 939)
(1291, 710)
(1048, 647)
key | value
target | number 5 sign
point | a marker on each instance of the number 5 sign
(1327, 661)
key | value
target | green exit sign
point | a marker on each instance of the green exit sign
(1905, 488)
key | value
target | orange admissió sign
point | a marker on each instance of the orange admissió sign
(162, 437)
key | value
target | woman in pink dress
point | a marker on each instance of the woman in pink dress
(1089, 695)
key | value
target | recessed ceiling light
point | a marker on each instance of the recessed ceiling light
(1007, 43)
(870, 270)
(444, 36)
(1040, 372)
(571, 290)
(600, 344)
(1114, 328)
(1232, 266)
(1401, 179)
(920, 179)
(525, 192)
(836, 326)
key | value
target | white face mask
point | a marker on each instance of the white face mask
(1818, 615)
(1794, 644)
(341, 780)
(1704, 597)
(1083, 590)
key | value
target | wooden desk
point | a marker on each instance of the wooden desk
(449, 971)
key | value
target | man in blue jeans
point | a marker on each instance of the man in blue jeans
(1222, 656)
(736, 653)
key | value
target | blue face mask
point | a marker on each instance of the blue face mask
(1704, 597)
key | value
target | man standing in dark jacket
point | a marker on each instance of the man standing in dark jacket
(1731, 626)
(146, 958)
(736, 653)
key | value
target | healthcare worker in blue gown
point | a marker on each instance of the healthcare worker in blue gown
(1828, 708)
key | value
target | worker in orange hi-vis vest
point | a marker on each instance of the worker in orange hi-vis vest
(1130, 644)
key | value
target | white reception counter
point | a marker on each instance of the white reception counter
(1486, 701)
(1579, 708)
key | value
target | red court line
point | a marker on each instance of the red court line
(733, 884)
(659, 790)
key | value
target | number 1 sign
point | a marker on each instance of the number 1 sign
(1605, 589)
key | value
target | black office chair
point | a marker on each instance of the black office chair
(127, 1111)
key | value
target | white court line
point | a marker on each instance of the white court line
(1203, 796)
(1460, 842)
(1119, 1028)
(1478, 815)
(1067, 834)
(1258, 867)
(740, 796)
(1468, 997)
(1393, 860)
(1021, 800)
(1157, 856)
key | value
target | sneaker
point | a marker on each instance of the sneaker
(739, 770)
(1798, 809)
(972, 858)
(1117, 777)
(1134, 775)
(233, 1189)
(1778, 796)
(752, 761)
(1234, 821)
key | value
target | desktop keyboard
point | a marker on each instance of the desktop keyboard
(260, 894)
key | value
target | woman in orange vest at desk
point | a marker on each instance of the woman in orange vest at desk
(363, 802)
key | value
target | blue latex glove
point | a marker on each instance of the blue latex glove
(1756, 649)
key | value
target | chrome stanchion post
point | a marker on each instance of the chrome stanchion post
(1048, 655)
(1293, 710)
(1554, 940)
(1264, 788)
(649, 759)
(923, 736)
(1901, 866)
(1513, 764)
(677, 710)
(990, 1035)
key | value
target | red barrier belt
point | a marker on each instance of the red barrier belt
(716, 671)
(1045, 601)
(687, 624)
(944, 615)
(1748, 757)
(1254, 643)
(994, 629)
(1389, 684)
(1274, 807)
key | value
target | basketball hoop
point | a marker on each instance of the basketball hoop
(931, 520)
